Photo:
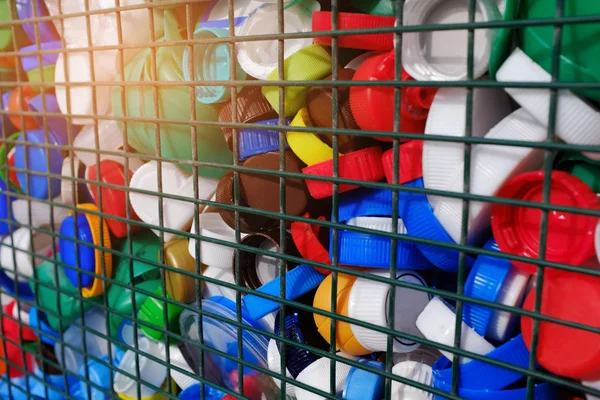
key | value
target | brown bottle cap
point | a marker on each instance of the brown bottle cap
(320, 108)
(180, 287)
(47, 352)
(262, 191)
(251, 277)
(248, 222)
(252, 107)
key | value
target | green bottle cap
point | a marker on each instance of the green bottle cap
(152, 312)
(144, 246)
(35, 75)
(173, 104)
(504, 38)
(376, 7)
(50, 299)
(580, 47)
(584, 168)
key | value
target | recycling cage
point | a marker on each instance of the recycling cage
(51, 379)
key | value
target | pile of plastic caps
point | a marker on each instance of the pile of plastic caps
(93, 148)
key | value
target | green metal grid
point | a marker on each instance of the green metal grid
(551, 147)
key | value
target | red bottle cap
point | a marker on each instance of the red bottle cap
(411, 165)
(566, 351)
(306, 239)
(363, 165)
(321, 21)
(373, 107)
(10, 327)
(570, 237)
(113, 200)
(14, 105)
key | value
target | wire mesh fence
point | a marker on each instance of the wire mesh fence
(386, 199)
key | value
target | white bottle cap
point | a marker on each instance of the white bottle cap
(491, 166)
(151, 371)
(368, 302)
(503, 324)
(177, 214)
(40, 212)
(593, 385)
(274, 362)
(213, 254)
(177, 359)
(415, 371)
(317, 375)
(259, 58)
(448, 117)
(576, 120)
(23, 262)
(442, 55)
(377, 223)
(437, 323)
(81, 96)
(213, 289)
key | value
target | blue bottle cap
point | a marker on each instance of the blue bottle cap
(46, 29)
(30, 62)
(364, 385)
(297, 359)
(253, 141)
(479, 375)
(484, 282)
(87, 259)
(366, 250)
(420, 222)
(38, 320)
(542, 391)
(298, 281)
(5, 208)
(99, 375)
(367, 203)
(49, 386)
(38, 157)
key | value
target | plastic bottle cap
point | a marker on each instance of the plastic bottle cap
(253, 141)
(576, 119)
(110, 138)
(100, 268)
(18, 330)
(437, 323)
(180, 287)
(448, 117)
(492, 166)
(317, 376)
(214, 289)
(577, 51)
(480, 375)
(494, 279)
(306, 145)
(298, 281)
(310, 63)
(274, 362)
(542, 391)
(444, 58)
(15, 103)
(82, 96)
(23, 263)
(150, 371)
(32, 9)
(361, 384)
(419, 220)
(41, 213)
(38, 158)
(345, 340)
(114, 201)
(368, 302)
(415, 371)
(597, 241)
(70, 250)
(177, 359)
(582, 167)
(374, 107)
(569, 237)
(151, 313)
(213, 254)
(30, 62)
(216, 15)
(410, 166)
(356, 62)
(308, 242)
(177, 214)
(364, 165)
(351, 21)
(594, 385)
(211, 63)
(259, 58)
(579, 356)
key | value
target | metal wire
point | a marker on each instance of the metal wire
(187, 11)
